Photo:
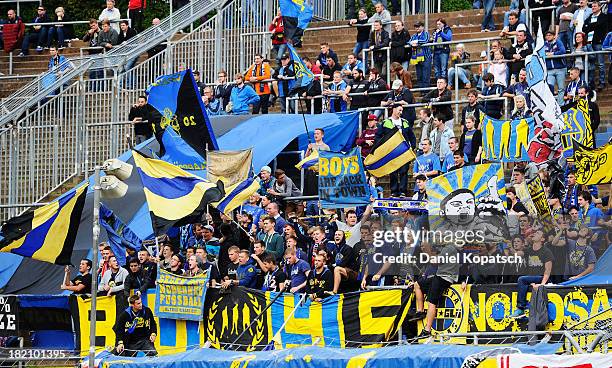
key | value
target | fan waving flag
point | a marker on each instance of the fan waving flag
(389, 154)
(179, 104)
(310, 162)
(296, 16)
(46, 233)
(174, 196)
(303, 75)
(237, 194)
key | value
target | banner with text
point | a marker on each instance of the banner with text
(577, 127)
(180, 297)
(342, 181)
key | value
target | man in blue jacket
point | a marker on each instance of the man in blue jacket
(246, 275)
(557, 69)
(242, 96)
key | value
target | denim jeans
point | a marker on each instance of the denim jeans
(599, 65)
(359, 46)
(461, 75)
(440, 64)
(423, 72)
(566, 40)
(129, 75)
(53, 31)
(280, 50)
(40, 37)
(557, 77)
(523, 284)
(487, 20)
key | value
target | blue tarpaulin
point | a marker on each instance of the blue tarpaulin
(601, 273)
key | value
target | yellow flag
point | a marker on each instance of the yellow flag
(593, 166)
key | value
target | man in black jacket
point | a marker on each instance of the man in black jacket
(135, 330)
(320, 281)
(441, 94)
(379, 38)
(136, 280)
(140, 115)
(596, 28)
(518, 53)
(400, 95)
(148, 268)
(223, 90)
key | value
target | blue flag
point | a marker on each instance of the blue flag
(180, 154)
(120, 236)
(303, 75)
(296, 16)
(342, 181)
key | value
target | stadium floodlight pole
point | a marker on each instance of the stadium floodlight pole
(94, 277)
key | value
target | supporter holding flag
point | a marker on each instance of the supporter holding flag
(400, 95)
(296, 17)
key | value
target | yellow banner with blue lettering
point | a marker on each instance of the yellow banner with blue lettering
(180, 297)
(506, 140)
(577, 127)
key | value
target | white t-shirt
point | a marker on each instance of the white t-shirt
(352, 234)
(396, 122)
(580, 19)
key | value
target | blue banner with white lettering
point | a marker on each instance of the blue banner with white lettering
(506, 140)
(180, 297)
(342, 181)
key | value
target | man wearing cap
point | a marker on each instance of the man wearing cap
(400, 95)
(367, 137)
(285, 76)
(267, 181)
(209, 241)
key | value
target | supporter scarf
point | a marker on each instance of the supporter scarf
(134, 316)
(261, 73)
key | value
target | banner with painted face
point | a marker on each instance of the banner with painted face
(506, 140)
(472, 198)
(342, 181)
(577, 127)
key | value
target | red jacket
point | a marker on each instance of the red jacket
(278, 31)
(367, 135)
(13, 34)
(137, 4)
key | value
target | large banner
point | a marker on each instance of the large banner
(506, 140)
(342, 181)
(593, 166)
(471, 198)
(231, 167)
(179, 297)
(596, 360)
(540, 202)
(577, 127)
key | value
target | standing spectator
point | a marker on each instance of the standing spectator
(258, 72)
(499, 69)
(12, 33)
(140, 115)
(421, 56)
(296, 270)
(279, 43)
(111, 14)
(399, 42)
(330, 68)
(198, 82)
(428, 163)
(286, 80)
(491, 90)
(471, 140)
(596, 28)
(223, 90)
(136, 14)
(426, 124)
(580, 15)
(363, 34)
(464, 73)
(135, 280)
(108, 37)
(443, 33)
(272, 239)
(58, 63)
(488, 23)
(275, 278)
(382, 15)
(583, 94)
(113, 280)
(515, 25)
(351, 8)
(352, 63)
(37, 33)
(320, 281)
(376, 84)
(60, 31)
(540, 18)
(81, 284)
(135, 329)
(241, 97)
(473, 109)
(448, 161)
(483, 68)
(581, 46)
(519, 88)
(402, 96)
(336, 92)
(571, 91)
(565, 13)
(326, 52)
(125, 33)
(358, 85)
(379, 38)
(368, 136)
(439, 137)
(518, 53)
(580, 255)
(162, 45)
(556, 68)
(399, 178)
(441, 94)
(92, 37)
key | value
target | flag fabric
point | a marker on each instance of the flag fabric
(593, 166)
(120, 236)
(310, 162)
(303, 75)
(178, 101)
(237, 195)
(231, 167)
(174, 196)
(48, 232)
(577, 127)
(296, 16)
(506, 140)
(342, 180)
(546, 143)
(389, 154)
(179, 153)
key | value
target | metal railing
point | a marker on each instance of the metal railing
(18, 2)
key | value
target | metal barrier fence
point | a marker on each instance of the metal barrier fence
(18, 2)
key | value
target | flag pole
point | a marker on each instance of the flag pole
(94, 277)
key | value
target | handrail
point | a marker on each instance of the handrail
(20, 1)
(74, 22)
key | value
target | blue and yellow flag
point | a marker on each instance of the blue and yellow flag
(310, 162)
(389, 154)
(577, 127)
(237, 195)
(296, 16)
(120, 236)
(506, 140)
(174, 196)
(46, 233)
(303, 75)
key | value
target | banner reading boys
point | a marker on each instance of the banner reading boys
(179, 297)
(342, 181)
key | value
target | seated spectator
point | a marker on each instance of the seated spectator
(275, 278)
(471, 141)
(61, 32)
(336, 92)
(443, 33)
(346, 265)
(352, 64)
(518, 52)
(428, 163)
(272, 239)
(140, 114)
(81, 284)
(499, 69)
(400, 95)
(108, 37)
(366, 139)
(135, 282)
(571, 91)
(326, 52)
(483, 69)
(399, 53)
(212, 105)
(538, 269)
(472, 109)
(381, 15)
(556, 68)
(463, 73)
(439, 136)
(320, 280)
(421, 56)
(12, 33)
(296, 270)
(363, 34)
(111, 14)
(112, 282)
(441, 94)
(521, 111)
(491, 91)
(241, 97)
(379, 38)
(581, 256)
(37, 34)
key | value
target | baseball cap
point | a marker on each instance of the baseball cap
(266, 168)
(483, 53)
(372, 117)
(285, 56)
(209, 228)
(396, 84)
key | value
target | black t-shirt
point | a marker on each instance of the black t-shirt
(519, 207)
(84, 280)
(319, 283)
(273, 280)
(231, 270)
(537, 259)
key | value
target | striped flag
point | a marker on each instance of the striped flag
(389, 154)
(309, 162)
(237, 195)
